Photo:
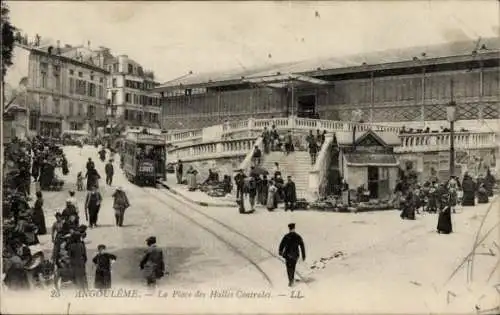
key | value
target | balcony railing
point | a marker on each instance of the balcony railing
(413, 143)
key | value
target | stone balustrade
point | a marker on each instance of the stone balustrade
(185, 136)
(305, 124)
(286, 123)
(212, 150)
(419, 142)
(189, 142)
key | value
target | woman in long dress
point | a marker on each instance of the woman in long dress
(453, 191)
(191, 178)
(264, 186)
(272, 202)
(38, 216)
(408, 211)
(444, 225)
(482, 194)
(469, 188)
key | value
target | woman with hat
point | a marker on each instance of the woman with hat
(103, 262)
(120, 204)
(444, 225)
(78, 258)
(152, 263)
(38, 216)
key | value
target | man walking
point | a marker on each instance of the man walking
(252, 192)
(93, 205)
(152, 263)
(110, 171)
(120, 204)
(289, 249)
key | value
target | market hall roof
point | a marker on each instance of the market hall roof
(343, 64)
(281, 81)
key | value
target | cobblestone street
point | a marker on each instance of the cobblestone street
(375, 255)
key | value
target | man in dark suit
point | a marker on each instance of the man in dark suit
(290, 193)
(152, 263)
(110, 171)
(289, 249)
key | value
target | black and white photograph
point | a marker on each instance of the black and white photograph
(250, 157)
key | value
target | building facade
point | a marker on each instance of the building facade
(131, 101)
(409, 86)
(61, 88)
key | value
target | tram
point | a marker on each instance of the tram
(144, 158)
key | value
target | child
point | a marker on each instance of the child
(79, 181)
(103, 263)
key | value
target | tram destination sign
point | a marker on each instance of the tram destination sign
(147, 138)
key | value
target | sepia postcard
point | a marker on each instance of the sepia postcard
(220, 157)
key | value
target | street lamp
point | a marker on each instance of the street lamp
(451, 111)
(355, 118)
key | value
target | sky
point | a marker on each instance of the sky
(173, 38)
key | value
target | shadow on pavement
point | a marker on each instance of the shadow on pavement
(126, 271)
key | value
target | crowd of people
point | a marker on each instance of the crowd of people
(441, 197)
(25, 222)
(26, 264)
(269, 190)
(273, 141)
(442, 129)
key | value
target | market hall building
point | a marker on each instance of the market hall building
(403, 87)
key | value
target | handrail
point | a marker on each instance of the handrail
(247, 162)
(317, 176)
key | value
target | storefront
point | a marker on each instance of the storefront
(50, 126)
(369, 162)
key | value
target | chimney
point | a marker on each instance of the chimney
(58, 47)
(49, 50)
(88, 44)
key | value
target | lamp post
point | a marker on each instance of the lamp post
(355, 118)
(451, 110)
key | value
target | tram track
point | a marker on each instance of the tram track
(238, 243)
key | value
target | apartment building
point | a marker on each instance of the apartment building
(62, 88)
(131, 101)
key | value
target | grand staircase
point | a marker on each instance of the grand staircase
(296, 164)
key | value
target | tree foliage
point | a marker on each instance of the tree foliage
(8, 38)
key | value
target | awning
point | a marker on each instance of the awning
(14, 108)
(370, 159)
